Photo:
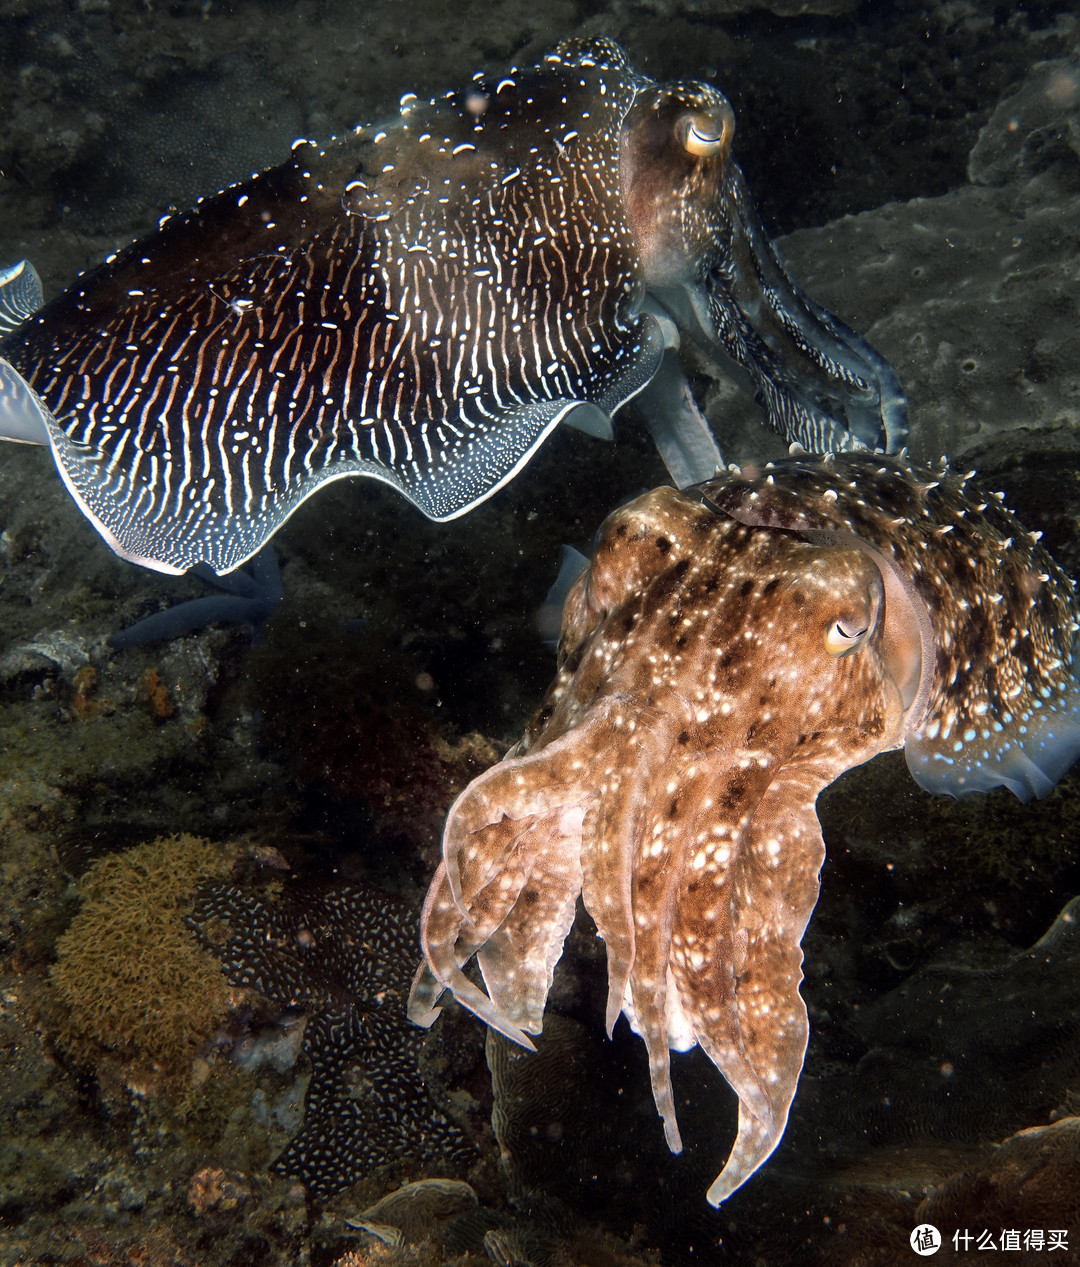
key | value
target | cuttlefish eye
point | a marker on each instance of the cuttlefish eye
(707, 136)
(843, 635)
(858, 603)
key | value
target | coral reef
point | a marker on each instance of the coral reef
(130, 978)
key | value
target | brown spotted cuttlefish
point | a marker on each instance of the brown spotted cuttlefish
(730, 651)
(421, 304)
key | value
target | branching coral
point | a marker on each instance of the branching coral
(130, 977)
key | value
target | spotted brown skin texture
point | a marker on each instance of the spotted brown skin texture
(670, 778)
(999, 616)
(730, 651)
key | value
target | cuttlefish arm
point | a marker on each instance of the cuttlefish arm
(824, 386)
(762, 1051)
(749, 963)
(711, 268)
(506, 890)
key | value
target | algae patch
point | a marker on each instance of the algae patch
(130, 978)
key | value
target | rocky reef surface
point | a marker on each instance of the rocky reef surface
(923, 165)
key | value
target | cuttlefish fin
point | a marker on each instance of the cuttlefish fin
(23, 418)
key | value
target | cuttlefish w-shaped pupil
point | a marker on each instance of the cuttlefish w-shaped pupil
(842, 637)
(707, 137)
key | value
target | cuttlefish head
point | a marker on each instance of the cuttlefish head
(710, 266)
(675, 160)
(983, 623)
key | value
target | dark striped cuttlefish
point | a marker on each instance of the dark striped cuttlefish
(730, 651)
(422, 304)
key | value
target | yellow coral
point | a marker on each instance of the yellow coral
(130, 976)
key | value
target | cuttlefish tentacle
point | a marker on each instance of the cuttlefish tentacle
(649, 1003)
(613, 830)
(615, 837)
(445, 949)
(824, 385)
(508, 798)
(509, 883)
(760, 1043)
(704, 949)
(518, 960)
